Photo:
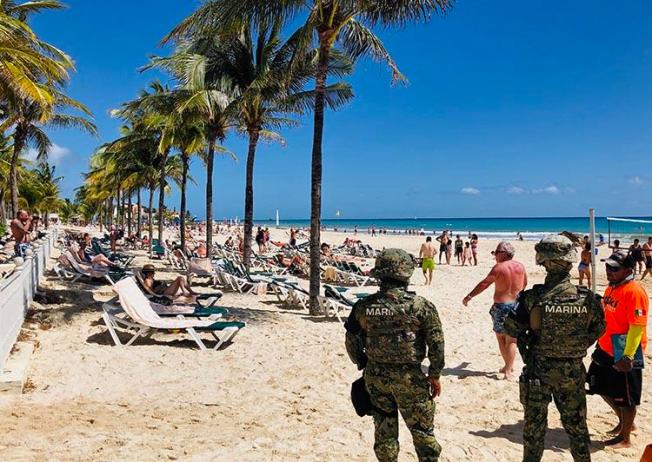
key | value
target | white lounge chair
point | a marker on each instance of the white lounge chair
(143, 320)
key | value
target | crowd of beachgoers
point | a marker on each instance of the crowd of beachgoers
(113, 285)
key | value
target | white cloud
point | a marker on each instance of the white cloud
(470, 190)
(516, 190)
(55, 154)
(637, 180)
(547, 190)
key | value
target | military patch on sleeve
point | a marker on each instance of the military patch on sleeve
(638, 312)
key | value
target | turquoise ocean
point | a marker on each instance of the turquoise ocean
(494, 228)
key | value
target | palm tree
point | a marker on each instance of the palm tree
(184, 131)
(28, 65)
(268, 83)
(49, 199)
(344, 23)
(31, 119)
(208, 96)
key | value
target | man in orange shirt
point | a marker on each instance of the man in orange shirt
(625, 306)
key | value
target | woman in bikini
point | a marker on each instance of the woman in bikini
(585, 264)
(474, 248)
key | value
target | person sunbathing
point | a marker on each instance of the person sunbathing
(86, 255)
(178, 290)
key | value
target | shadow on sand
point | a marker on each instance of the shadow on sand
(556, 438)
(462, 372)
(103, 338)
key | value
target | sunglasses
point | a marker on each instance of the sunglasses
(612, 269)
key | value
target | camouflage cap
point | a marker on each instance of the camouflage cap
(555, 248)
(394, 264)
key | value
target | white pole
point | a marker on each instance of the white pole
(594, 249)
(277, 218)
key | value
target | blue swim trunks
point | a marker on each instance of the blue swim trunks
(498, 312)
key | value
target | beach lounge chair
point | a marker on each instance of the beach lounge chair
(142, 320)
(203, 300)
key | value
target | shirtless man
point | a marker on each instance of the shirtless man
(20, 231)
(510, 279)
(647, 253)
(427, 254)
(444, 243)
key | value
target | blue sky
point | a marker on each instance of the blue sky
(514, 108)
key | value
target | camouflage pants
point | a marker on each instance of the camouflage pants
(563, 381)
(404, 389)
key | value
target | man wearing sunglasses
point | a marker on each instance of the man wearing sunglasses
(509, 278)
(620, 381)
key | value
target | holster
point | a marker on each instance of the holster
(360, 398)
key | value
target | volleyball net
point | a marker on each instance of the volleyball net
(626, 230)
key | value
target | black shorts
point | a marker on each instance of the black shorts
(623, 387)
(648, 262)
(458, 251)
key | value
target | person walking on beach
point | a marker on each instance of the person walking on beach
(647, 253)
(427, 254)
(614, 377)
(509, 279)
(474, 248)
(459, 249)
(387, 335)
(555, 323)
(584, 267)
(444, 242)
(636, 252)
(467, 255)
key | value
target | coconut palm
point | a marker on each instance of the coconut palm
(31, 119)
(207, 95)
(48, 199)
(28, 65)
(330, 23)
(149, 114)
(268, 80)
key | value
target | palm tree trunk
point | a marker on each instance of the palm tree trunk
(20, 136)
(129, 213)
(182, 207)
(249, 196)
(316, 177)
(149, 218)
(209, 197)
(138, 214)
(161, 195)
(118, 204)
(3, 218)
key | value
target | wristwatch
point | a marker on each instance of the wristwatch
(628, 358)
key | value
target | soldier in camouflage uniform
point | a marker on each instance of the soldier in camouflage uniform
(554, 324)
(392, 329)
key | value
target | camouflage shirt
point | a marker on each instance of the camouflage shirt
(572, 318)
(395, 326)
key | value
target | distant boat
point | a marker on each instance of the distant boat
(337, 214)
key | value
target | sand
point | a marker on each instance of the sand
(279, 392)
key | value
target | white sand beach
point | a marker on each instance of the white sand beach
(279, 392)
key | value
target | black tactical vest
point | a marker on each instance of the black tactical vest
(393, 331)
(561, 319)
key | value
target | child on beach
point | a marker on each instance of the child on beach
(467, 254)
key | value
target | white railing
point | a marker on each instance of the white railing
(17, 292)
